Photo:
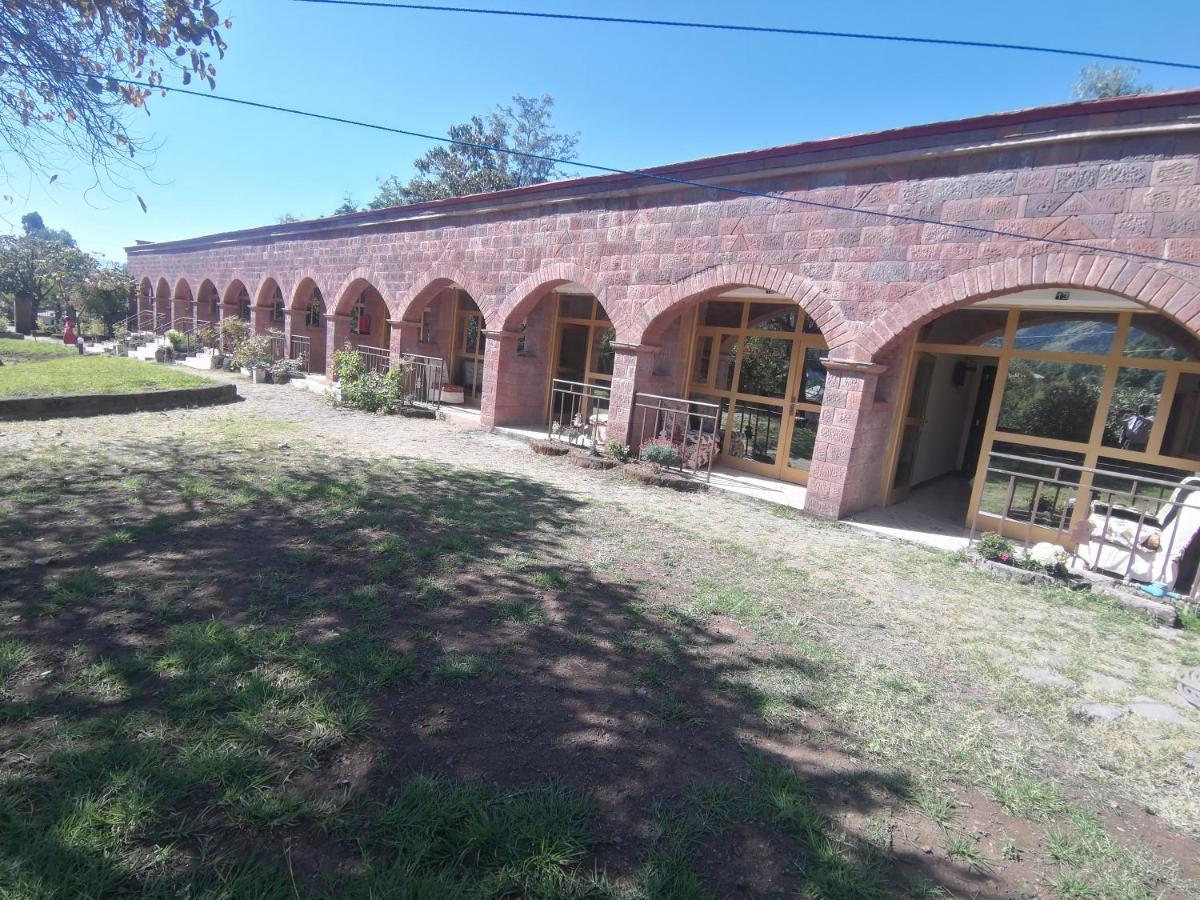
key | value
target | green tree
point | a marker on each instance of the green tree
(33, 224)
(346, 206)
(49, 272)
(1097, 82)
(286, 218)
(103, 295)
(457, 170)
(63, 61)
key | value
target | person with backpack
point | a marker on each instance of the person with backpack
(1135, 433)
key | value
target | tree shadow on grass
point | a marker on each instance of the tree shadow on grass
(257, 673)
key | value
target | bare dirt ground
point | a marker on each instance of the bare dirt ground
(280, 649)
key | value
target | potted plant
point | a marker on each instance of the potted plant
(253, 357)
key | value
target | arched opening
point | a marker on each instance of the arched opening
(758, 358)
(162, 305)
(307, 339)
(237, 298)
(270, 312)
(208, 304)
(1018, 411)
(582, 361)
(447, 330)
(144, 307)
(182, 304)
(368, 330)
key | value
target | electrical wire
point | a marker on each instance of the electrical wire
(633, 173)
(757, 29)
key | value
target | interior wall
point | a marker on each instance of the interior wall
(947, 418)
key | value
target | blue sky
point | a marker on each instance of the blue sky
(638, 96)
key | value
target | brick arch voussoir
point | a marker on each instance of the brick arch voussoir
(262, 298)
(521, 298)
(228, 294)
(428, 284)
(709, 283)
(343, 297)
(1152, 285)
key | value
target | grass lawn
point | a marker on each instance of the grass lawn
(25, 350)
(253, 662)
(74, 374)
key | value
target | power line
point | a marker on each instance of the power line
(633, 173)
(757, 29)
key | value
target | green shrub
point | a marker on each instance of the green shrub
(618, 451)
(659, 452)
(235, 331)
(175, 339)
(252, 352)
(996, 548)
(370, 391)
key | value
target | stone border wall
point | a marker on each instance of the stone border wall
(105, 404)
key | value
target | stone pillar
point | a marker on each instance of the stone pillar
(851, 447)
(337, 332)
(632, 363)
(506, 396)
(23, 312)
(403, 337)
(260, 320)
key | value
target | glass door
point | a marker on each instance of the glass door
(762, 362)
(470, 345)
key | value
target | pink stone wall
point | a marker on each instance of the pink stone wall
(1121, 176)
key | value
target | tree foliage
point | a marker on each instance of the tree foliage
(1097, 82)
(457, 170)
(61, 65)
(45, 264)
(346, 206)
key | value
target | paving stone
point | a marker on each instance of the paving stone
(1098, 712)
(1156, 711)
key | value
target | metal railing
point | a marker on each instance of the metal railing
(690, 426)
(1127, 524)
(425, 377)
(300, 347)
(578, 412)
(278, 345)
(376, 359)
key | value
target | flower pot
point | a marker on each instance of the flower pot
(452, 393)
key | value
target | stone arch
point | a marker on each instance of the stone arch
(233, 290)
(1152, 285)
(183, 290)
(265, 295)
(429, 285)
(695, 289)
(303, 294)
(145, 288)
(352, 286)
(162, 290)
(526, 294)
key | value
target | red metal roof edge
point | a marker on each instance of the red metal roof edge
(952, 126)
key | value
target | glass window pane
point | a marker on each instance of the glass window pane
(813, 389)
(465, 302)
(723, 313)
(601, 315)
(773, 317)
(765, 365)
(572, 352)
(908, 454)
(922, 380)
(1066, 332)
(1131, 412)
(703, 358)
(755, 434)
(1050, 399)
(810, 325)
(804, 438)
(602, 350)
(973, 327)
(1157, 337)
(575, 306)
(725, 361)
(1182, 435)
